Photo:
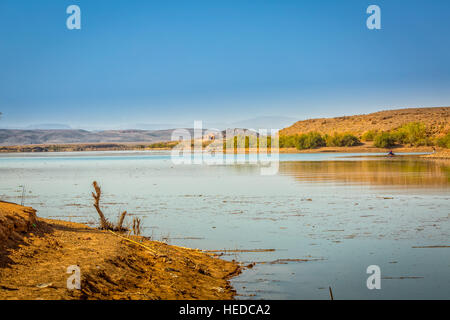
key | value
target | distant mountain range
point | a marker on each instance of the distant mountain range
(11, 137)
(15, 137)
(148, 133)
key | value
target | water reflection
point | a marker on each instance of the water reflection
(341, 212)
(403, 173)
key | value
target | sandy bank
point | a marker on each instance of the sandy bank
(443, 154)
(35, 254)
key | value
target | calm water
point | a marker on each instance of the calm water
(341, 212)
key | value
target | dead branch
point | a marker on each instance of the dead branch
(120, 223)
(104, 224)
(137, 226)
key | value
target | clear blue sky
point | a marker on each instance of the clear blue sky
(176, 61)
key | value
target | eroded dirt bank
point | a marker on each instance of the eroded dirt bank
(35, 254)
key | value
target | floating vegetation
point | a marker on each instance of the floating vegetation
(430, 247)
(241, 250)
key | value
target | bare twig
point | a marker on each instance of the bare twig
(23, 196)
(137, 226)
(104, 224)
(120, 223)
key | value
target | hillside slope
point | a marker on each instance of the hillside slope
(436, 119)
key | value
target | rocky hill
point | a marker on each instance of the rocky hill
(437, 121)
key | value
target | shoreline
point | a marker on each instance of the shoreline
(439, 154)
(36, 252)
(50, 148)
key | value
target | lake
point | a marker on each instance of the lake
(327, 217)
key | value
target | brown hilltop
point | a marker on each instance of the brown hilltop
(436, 119)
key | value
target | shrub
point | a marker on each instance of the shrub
(288, 141)
(265, 142)
(348, 140)
(242, 141)
(423, 142)
(341, 140)
(168, 144)
(384, 140)
(414, 133)
(369, 135)
(444, 141)
(310, 141)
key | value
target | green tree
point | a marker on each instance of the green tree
(288, 141)
(310, 140)
(341, 140)
(414, 133)
(369, 135)
(444, 141)
(384, 140)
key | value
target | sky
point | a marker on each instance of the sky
(223, 60)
